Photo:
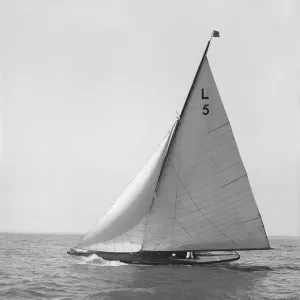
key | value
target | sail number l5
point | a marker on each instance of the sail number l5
(205, 110)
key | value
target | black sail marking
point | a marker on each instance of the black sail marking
(234, 180)
(219, 127)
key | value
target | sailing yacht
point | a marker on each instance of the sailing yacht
(193, 194)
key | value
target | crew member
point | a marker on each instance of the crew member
(189, 255)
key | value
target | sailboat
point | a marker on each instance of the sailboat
(193, 196)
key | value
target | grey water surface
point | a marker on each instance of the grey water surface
(36, 266)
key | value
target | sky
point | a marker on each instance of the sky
(88, 90)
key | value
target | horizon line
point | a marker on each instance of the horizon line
(41, 232)
(82, 233)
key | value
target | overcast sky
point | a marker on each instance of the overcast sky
(89, 89)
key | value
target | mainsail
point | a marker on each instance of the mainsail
(194, 193)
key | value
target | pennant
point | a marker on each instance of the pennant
(216, 33)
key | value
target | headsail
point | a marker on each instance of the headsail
(204, 201)
(122, 228)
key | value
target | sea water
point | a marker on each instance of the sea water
(36, 266)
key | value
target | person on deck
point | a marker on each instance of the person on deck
(189, 255)
(173, 255)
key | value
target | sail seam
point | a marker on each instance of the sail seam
(234, 180)
(252, 219)
(218, 139)
(213, 149)
(232, 203)
(214, 182)
(210, 176)
(207, 193)
(236, 192)
(221, 194)
(227, 151)
(210, 212)
(224, 219)
(219, 127)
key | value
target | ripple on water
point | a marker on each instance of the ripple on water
(42, 270)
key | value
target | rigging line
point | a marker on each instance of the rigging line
(174, 219)
(211, 159)
(157, 185)
(147, 222)
(183, 228)
(176, 202)
(203, 213)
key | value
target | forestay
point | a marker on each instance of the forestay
(204, 200)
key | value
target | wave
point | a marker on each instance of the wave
(288, 267)
(288, 246)
(95, 260)
(256, 268)
(14, 292)
(247, 268)
(126, 292)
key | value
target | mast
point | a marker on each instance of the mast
(178, 122)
